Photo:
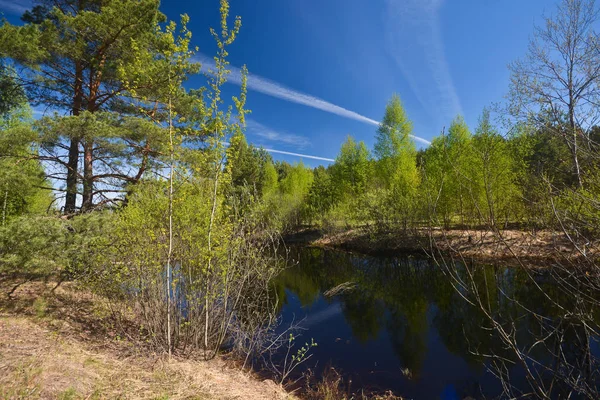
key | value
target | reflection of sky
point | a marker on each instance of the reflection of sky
(375, 344)
(373, 364)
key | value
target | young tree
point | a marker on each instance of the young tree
(396, 155)
(271, 179)
(435, 182)
(493, 188)
(351, 171)
(183, 234)
(448, 174)
(321, 196)
(556, 84)
(294, 189)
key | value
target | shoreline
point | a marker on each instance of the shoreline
(509, 247)
(59, 341)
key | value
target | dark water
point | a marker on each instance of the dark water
(403, 327)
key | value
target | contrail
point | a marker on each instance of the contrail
(288, 153)
(299, 155)
(323, 315)
(274, 89)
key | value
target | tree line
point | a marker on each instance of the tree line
(535, 168)
(465, 178)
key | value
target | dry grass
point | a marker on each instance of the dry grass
(481, 245)
(331, 386)
(62, 345)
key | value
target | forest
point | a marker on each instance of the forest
(141, 190)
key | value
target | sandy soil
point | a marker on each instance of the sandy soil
(50, 348)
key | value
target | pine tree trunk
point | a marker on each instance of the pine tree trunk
(72, 165)
(88, 176)
(73, 162)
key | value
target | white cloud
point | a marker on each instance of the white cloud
(414, 41)
(279, 91)
(15, 6)
(264, 132)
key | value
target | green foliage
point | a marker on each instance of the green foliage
(293, 193)
(395, 150)
(322, 195)
(23, 185)
(494, 184)
(396, 167)
(115, 58)
(189, 251)
(12, 95)
(33, 245)
(447, 170)
(184, 251)
(576, 210)
(47, 245)
(351, 171)
(248, 167)
(271, 183)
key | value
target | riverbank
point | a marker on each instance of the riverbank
(63, 345)
(513, 247)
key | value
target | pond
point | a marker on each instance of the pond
(398, 324)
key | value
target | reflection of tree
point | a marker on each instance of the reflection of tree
(406, 286)
(408, 333)
(398, 294)
(299, 281)
(363, 313)
(381, 287)
(311, 271)
(460, 327)
(532, 334)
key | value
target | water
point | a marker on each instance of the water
(402, 326)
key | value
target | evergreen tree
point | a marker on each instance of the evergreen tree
(86, 57)
(23, 187)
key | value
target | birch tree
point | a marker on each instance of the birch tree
(556, 83)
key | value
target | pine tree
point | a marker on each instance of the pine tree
(92, 57)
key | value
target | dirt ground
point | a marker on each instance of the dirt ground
(54, 346)
(509, 246)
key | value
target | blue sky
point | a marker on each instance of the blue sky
(323, 69)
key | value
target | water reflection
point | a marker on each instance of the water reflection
(402, 325)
